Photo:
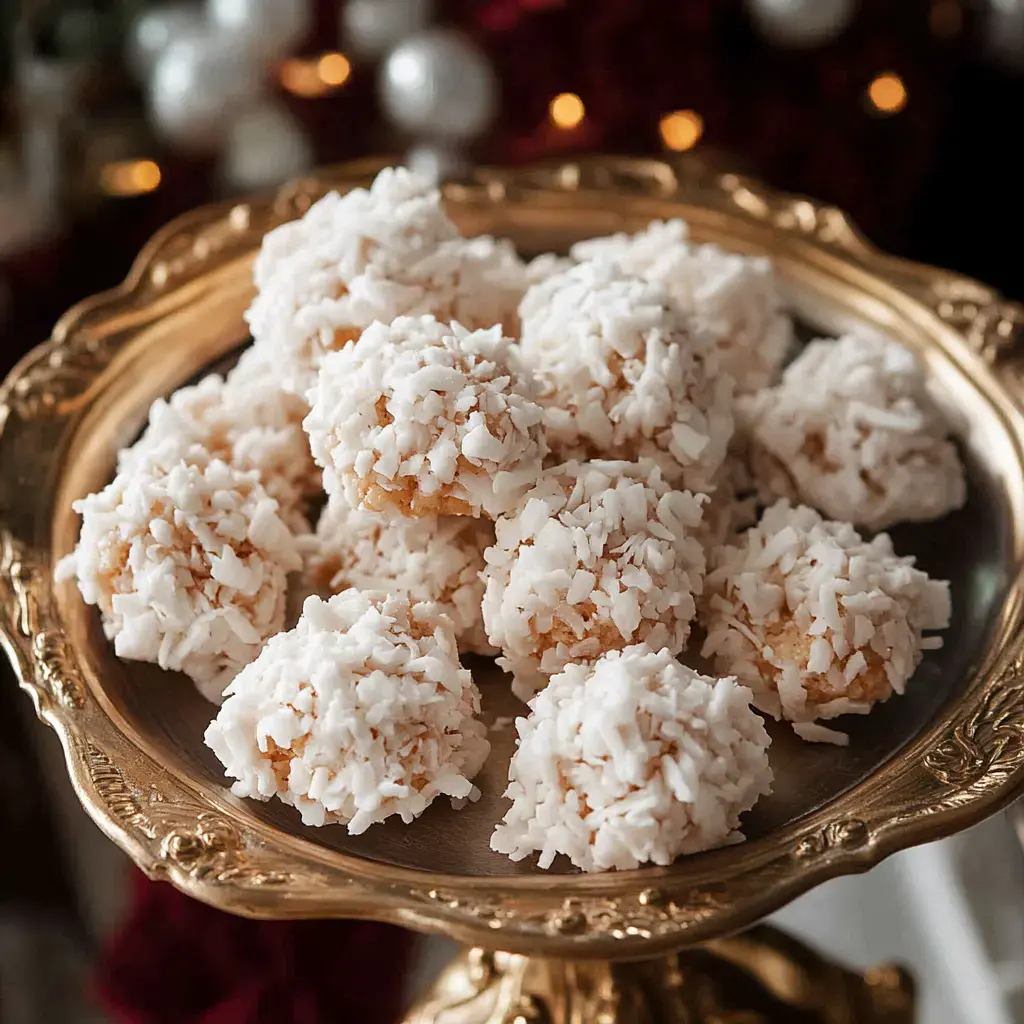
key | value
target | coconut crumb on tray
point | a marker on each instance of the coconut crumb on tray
(731, 297)
(634, 759)
(420, 418)
(361, 712)
(816, 621)
(430, 559)
(599, 556)
(851, 431)
(188, 564)
(373, 254)
(247, 420)
(622, 376)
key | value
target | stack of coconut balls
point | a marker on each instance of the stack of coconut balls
(572, 464)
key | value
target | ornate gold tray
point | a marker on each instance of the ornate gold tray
(926, 765)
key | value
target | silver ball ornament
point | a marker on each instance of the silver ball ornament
(438, 84)
(1004, 34)
(265, 145)
(198, 84)
(435, 163)
(369, 28)
(154, 29)
(271, 28)
(801, 23)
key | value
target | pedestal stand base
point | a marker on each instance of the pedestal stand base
(759, 977)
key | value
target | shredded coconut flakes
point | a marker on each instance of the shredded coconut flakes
(359, 713)
(851, 431)
(429, 559)
(422, 419)
(187, 563)
(631, 760)
(599, 556)
(732, 297)
(373, 254)
(621, 375)
(816, 621)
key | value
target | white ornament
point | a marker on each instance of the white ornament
(198, 85)
(1004, 33)
(265, 145)
(439, 84)
(270, 27)
(801, 22)
(369, 28)
(155, 28)
(436, 163)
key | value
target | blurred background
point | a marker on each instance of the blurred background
(116, 115)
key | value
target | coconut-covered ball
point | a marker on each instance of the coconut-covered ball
(599, 556)
(622, 376)
(732, 297)
(633, 759)
(373, 254)
(359, 713)
(815, 620)
(852, 431)
(431, 559)
(188, 564)
(246, 420)
(419, 418)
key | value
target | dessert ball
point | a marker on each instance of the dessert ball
(419, 418)
(373, 254)
(815, 620)
(622, 376)
(732, 297)
(246, 420)
(634, 759)
(433, 558)
(599, 556)
(359, 713)
(851, 431)
(188, 564)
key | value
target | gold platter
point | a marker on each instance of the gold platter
(923, 766)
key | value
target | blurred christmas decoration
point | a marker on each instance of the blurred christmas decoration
(265, 145)
(1004, 33)
(801, 22)
(269, 28)
(153, 31)
(370, 28)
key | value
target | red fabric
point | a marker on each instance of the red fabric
(177, 961)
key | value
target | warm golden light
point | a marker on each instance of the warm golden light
(130, 178)
(887, 93)
(334, 69)
(681, 129)
(315, 77)
(567, 110)
(945, 18)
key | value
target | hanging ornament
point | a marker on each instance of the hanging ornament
(369, 28)
(265, 146)
(198, 85)
(154, 29)
(436, 163)
(271, 28)
(801, 23)
(438, 84)
(1004, 33)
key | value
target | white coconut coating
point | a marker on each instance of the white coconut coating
(634, 759)
(599, 556)
(373, 254)
(359, 713)
(419, 418)
(622, 376)
(247, 420)
(851, 431)
(187, 563)
(815, 620)
(732, 297)
(430, 559)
